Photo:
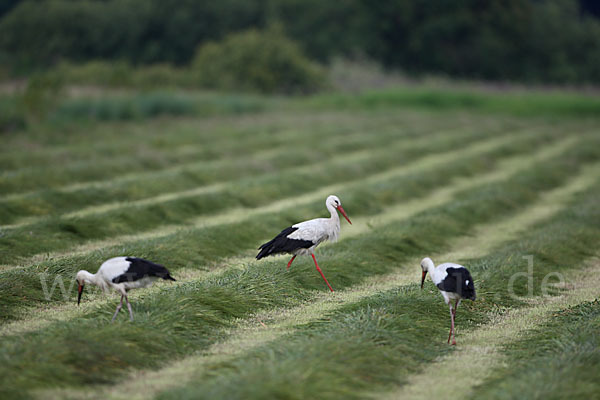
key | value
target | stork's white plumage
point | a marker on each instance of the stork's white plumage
(123, 274)
(454, 282)
(303, 237)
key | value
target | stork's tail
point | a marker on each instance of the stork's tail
(265, 250)
(168, 277)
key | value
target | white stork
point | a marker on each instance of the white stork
(454, 282)
(303, 237)
(123, 274)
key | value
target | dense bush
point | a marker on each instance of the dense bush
(121, 74)
(12, 117)
(527, 40)
(42, 33)
(152, 104)
(266, 62)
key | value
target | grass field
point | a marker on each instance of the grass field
(490, 180)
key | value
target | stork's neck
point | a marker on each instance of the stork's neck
(334, 215)
(334, 224)
(89, 277)
(434, 272)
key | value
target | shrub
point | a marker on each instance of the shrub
(115, 108)
(120, 74)
(265, 62)
(12, 117)
(40, 95)
(152, 104)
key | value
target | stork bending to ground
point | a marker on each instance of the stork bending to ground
(302, 238)
(123, 274)
(454, 282)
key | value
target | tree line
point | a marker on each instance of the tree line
(556, 41)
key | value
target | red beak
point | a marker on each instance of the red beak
(423, 278)
(344, 214)
(80, 293)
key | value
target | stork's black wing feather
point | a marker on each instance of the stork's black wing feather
(282, 244)
(458, 281)
(140, 268)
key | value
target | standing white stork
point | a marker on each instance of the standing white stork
(123, 274)
(454, 282)
(303, 237)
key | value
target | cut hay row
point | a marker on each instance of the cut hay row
(211, 151)
(37, 318)
(299, 162)
(253, 191)
(385, 339)
(112, 136)
(21, 281)
(159, 179)
(202, 310)
(481, 349)
(426, 163)
(153, 155)
(16, 238)
(360, 225)
(262, 328)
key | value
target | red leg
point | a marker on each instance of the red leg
(452, 324)
(453, 330)
(290, 263)
(454, 317)
(321, 272)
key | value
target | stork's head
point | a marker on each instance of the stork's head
(426, 265)
(334, 201)
(82, 277)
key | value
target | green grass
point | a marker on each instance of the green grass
(186, 176)
(152, 105)
(524, 103)
(556, 361)
(216, 302)
(416, 183)
(383, 339)
(230, 239)
(60, 233)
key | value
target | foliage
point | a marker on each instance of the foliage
(531, 41)
(526, 40)
(200, 194)
(364, 344)
(12, 118)
(120, 74)
(41, 94)
(32, 104)
(266, 62)
(43, 33)
(525, 103)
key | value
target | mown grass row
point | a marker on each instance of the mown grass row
(361, 224)
(248, 335)
(191, 315)
(207, 137)
(46, 144)
(148, 153)
(559, 359)
(377, 343)
(191, 175)
(203, 248)
(56, 234)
